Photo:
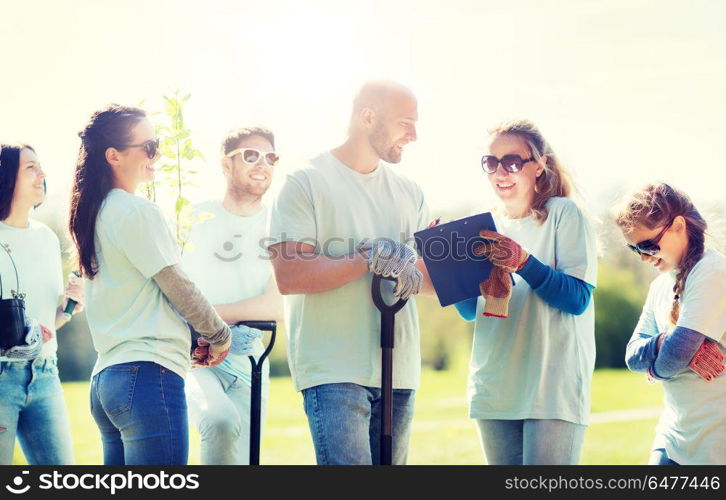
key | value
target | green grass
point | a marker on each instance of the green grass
(442, 432)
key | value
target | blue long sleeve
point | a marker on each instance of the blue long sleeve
(641, 352)
(676, 353)
(560, 290)
(467, 308)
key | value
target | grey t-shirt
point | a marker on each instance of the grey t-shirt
(538, 362)
(334, 336)
(128, 315)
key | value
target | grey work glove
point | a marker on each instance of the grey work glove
(33, 343)
(242, 339)
(396, 260)
(408, 282)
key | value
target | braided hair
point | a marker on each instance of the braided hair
(657, 205)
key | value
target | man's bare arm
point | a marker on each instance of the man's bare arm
(299, 270)
(265, 307)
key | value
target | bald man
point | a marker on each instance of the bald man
(343, 200)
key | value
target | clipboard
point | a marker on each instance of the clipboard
(448, 252)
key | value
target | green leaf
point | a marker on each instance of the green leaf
(172, 108)
(187, 149)
(181, 202)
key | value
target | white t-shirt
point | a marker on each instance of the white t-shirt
(538, 362)
(227, 259)
(334, 336)
(129, 317)
(692, 428)
(37, 255)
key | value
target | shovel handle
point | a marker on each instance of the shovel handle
(378, 296)
(265, 326)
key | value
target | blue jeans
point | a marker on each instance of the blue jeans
(660, 457)
(531, 442)
(141, 410)
(344, 422)
(32, 408)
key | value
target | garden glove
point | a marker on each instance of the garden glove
(708, 362)
(208, 355)
(507, 256)
(33, 343)
(242, 339)
(408, 283)
(396, 260)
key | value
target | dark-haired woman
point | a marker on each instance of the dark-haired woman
(31, 398)
(136, 295)
(681, 336)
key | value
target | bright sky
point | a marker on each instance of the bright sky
(626, 91)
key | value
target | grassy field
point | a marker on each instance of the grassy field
(442, 432)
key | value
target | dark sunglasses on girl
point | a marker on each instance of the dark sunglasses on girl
(151, 147)
(510, 163)
(649, 247)
(251, 156)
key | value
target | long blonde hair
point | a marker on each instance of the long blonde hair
(656, 205)
(555, 179)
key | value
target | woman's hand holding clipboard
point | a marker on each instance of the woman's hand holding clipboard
(467, 257)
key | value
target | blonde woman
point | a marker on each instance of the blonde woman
(534, 345)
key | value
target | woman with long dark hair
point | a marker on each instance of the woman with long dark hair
(31, 397)
(137, 295)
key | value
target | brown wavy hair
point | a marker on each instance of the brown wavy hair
(656, 205)
(109, 127)
(555, 179)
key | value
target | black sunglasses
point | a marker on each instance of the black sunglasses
(510, 163)
(151, 147)
(649, 247)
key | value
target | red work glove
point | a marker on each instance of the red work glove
(207, 355)
(708, 361)
(507, 257)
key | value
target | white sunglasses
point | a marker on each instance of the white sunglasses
(251, 156)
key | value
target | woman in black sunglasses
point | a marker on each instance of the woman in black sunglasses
(534, 344)
(681, 336)
(130, 261)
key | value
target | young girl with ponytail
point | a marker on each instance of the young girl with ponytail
(681, 336)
